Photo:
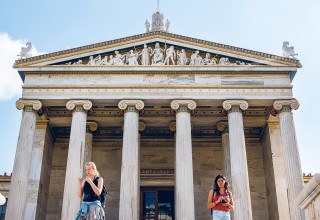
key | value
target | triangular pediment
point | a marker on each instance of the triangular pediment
(154, 49)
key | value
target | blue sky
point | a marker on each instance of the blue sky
(256, 25)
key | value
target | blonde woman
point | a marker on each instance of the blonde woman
(89, 189)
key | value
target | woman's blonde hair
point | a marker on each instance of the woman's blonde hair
(93, 166)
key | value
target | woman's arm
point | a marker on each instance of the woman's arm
(212, 203)
(231, 201)
(97, 190)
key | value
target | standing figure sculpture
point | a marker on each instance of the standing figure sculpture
(145, 55)
(147, 25)
(195, 59)
(157, 54)
(170, 54)
(132, 58)
(167, 25)
(118, 59)
(91, 62)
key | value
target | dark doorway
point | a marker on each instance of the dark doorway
(157, 203)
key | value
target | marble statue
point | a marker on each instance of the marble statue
(147, 25)
(145, 55)
(104, 61)
(111, 60)
(132, 58)
(79, 62)
(157, 22)
(182, 57)
(157, 54)
(26, 51)
(224, 61)
(167, 25)
(91, 62)
(288, 51)
(170, 55)
(195, 59)
(209, 61)
(118, 59)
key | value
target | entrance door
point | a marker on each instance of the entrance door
(157, 203)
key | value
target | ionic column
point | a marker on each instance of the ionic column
(39, 172)
(92, 126)
(19, 181)
(130, 169)
(223, 128)
(291, 154)
(238, 159)
(74, 169)
(184, 191)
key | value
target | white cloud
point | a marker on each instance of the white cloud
(10, 81)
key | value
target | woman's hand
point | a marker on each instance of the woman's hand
(79, 180)
(218, 200)
(88, 179)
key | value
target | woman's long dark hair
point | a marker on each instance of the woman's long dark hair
(216, 187)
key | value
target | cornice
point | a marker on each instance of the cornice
(164, 71)
(154, 35)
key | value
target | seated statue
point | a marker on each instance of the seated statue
(195, 59)
(157, 54)
(182, 57)
(132, 58)
(118, 59)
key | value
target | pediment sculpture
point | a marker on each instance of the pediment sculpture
(158, 55)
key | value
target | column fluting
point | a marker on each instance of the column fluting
(184, 189)
(238, 159)
(74, 169)
(290, 154)
(130, 167)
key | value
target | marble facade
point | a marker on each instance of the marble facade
(158, 118)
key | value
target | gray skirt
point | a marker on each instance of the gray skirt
(95, 212)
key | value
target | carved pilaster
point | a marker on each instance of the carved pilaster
(222, 127)
(173, 126)
(142, 126)
(92, 126)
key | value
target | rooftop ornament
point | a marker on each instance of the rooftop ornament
(157, 22)
(288, 51)
(26, 51)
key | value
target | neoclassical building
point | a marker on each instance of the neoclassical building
(161, 115)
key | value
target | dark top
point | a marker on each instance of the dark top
(89, 194)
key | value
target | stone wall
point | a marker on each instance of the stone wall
(159, 154)
(309, 198)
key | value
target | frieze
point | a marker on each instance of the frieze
(155, 93)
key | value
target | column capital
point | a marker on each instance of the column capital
(173, 126)
(222, 126)
(176, 104)
(92, 126)
(291, 103)
(142, 126)
(34, 104)
(228, 104)
(124, 104)
(85, 104)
